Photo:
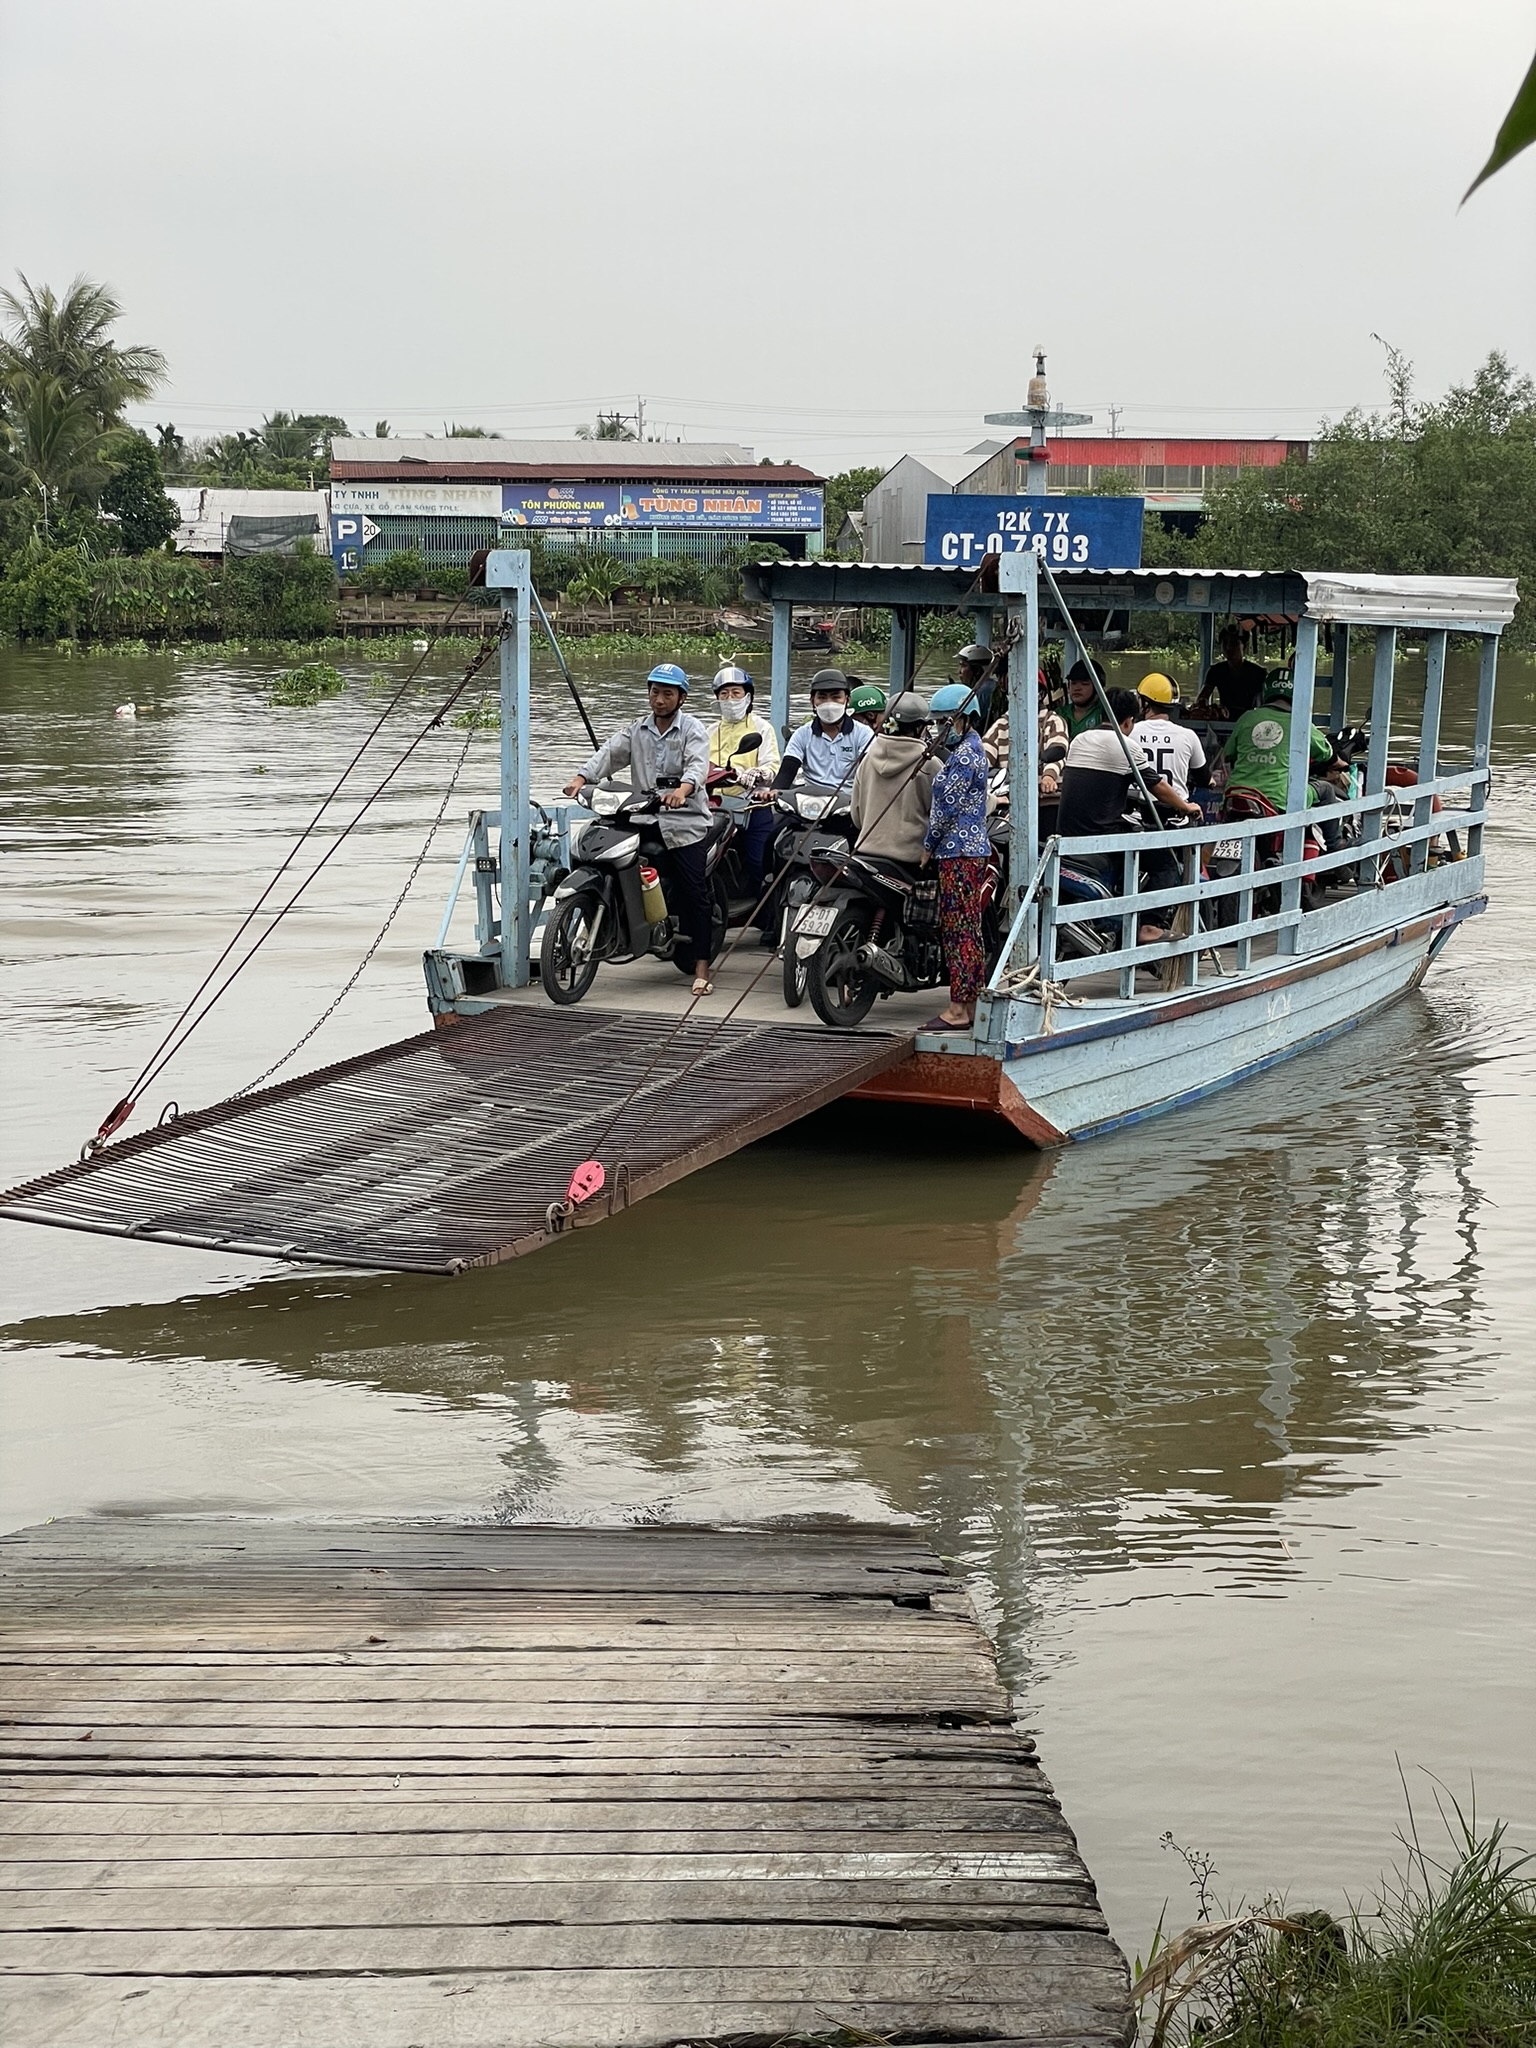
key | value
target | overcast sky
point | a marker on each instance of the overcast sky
(833, 231)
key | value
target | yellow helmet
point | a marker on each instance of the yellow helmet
(1158, 689)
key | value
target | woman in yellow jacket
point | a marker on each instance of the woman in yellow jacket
(733, 694)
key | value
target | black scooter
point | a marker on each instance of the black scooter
(611, 906)
(814, 826)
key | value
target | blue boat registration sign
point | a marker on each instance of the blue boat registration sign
(1069, 533)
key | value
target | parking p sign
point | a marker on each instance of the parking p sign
(350, 534)
(1067, 533)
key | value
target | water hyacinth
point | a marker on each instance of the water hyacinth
(309, 683)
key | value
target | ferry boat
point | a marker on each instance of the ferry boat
(1263, 962)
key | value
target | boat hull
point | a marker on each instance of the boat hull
(1093, 1067)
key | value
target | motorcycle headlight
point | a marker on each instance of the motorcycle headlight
(812, 808)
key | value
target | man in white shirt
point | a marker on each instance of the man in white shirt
(1174, 750)
(828, 746)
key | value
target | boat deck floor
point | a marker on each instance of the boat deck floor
(416, 1786)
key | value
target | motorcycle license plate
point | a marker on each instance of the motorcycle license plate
(1227, 849)
(815, 921)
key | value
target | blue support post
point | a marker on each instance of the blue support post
(1304, 688)
(1381, 731)
(981, 626)
(1338, 690)
(507, 570)
(778, 708)
(1482, 739)
(1429, 742)
(1207, 647)
(1018, 577)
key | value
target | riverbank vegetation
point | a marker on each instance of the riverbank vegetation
(1445, 1953)
(1437, 488)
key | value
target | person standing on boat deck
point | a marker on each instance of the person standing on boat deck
(1083, 712)
(670, 746)
(1053, 742)
(1233, 684)
(739, 722)
(957, 841)
(1096, 788)
(893, 784)
(830, 742)
(978, 674)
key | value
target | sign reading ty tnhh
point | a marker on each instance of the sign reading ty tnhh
(1068, 533)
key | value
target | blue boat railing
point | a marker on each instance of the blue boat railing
(1389, 863)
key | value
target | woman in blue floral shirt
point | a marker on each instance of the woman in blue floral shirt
(957, 839)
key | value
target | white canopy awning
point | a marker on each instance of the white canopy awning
(1475, 603)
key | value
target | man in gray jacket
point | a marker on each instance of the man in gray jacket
(893, 782)
(668, 750)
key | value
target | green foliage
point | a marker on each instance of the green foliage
(1434, 489)
(599, 579)
(287, 452)
(1169, 547)
(1517, 132)
(172, 596)
(68, 339)
(1448, 1956)
(281, 597)
(45, 591)
(405, 569)
(845, 493)
(1113, 483)
(146, 517)
(309, 683)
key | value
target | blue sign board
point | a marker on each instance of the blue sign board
(1068, 533)
(747, 508)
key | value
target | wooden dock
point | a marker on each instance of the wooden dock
(406, 1786)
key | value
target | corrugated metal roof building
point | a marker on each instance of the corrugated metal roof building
(206, 513)
(896, 510)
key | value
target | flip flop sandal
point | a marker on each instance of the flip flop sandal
(703, 988)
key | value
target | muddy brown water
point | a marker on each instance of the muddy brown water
(1229, 1418)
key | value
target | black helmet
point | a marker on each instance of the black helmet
(826, 680)
(908, 712)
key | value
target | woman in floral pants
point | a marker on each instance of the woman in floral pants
(957, 840)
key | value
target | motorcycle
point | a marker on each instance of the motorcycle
(814, 825)
(611, 906)
(874, 930)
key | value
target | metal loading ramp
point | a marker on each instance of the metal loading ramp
(447, 1150)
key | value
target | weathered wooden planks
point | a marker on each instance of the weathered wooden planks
(269, 1786)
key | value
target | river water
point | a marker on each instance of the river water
(1230, 1419)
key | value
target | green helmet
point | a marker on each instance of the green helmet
(867, 697)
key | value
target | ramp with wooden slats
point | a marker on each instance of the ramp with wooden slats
(445, 1151)
(420, 1787)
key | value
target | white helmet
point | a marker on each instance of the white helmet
(730, 677)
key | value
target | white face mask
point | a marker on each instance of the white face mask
(831, 710)
(732, 709)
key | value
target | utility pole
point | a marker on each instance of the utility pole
(639, 419)
(1114, 421)
(1038, 418)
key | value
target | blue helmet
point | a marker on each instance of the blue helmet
(953, 697)
(669, 673)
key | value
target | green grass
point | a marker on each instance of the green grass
(1446, 1956)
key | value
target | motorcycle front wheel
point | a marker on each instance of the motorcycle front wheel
(795, 969)
(568, 962)
(842, 993)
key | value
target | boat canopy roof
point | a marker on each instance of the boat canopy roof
(1475, 604)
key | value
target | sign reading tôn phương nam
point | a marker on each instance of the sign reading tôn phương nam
(1067, 533)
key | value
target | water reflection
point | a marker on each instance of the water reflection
(1126, 1353)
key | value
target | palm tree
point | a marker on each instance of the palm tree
(54, 455)
(68, 339)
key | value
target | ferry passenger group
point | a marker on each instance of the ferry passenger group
(921, 773)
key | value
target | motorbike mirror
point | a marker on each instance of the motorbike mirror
(749, 745)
